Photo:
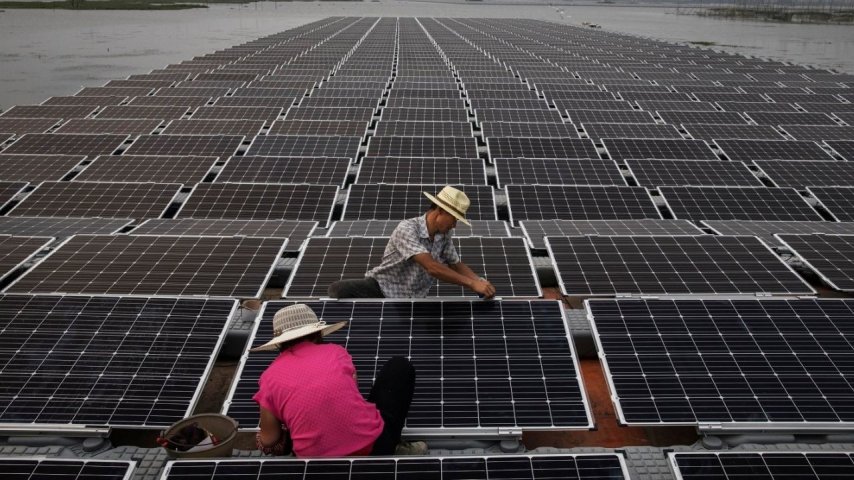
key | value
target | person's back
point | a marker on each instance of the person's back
(310, 387)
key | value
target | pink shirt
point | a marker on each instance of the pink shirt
(310, 388)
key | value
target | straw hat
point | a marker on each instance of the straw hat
(452, 201)
(293, 322)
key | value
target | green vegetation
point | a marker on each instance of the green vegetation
(782, 14)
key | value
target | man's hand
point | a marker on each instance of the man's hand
(483, 288)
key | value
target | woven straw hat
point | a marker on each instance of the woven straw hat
(452, 201)
(293, 322)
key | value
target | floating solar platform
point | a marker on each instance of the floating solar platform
(200, 145)
(767, 465)
(99, 362)
(535, 231)
(557, 171)
(20, 126)
(750, 150)
(260, 201)
(503, 261)
(839, 201)
(15, 251)
(311, 170)
(661, 149)
(766, 231)
(439, 147)
(147, 168)
(332, 128)
(244, 128)
(395, 170)
(731, 365)
(21, 467)
(738, 203)
(830, 256)
(670, 265)
(397, 202)
(845, 148)
(36, 168)
(384, 228)
(109, 126)
(304, 146)
(724, 132)
(97, 199)
(295, 231)
(155, 265)
(598, 131)
(579, 202)
(527, 130)
(653, 173)
(501, 147)
(809, 173)
(61, 227)
(481, 366)
(66, 144)
(527, 467)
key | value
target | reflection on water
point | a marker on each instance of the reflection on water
(48, 53)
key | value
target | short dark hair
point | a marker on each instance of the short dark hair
(316, 337)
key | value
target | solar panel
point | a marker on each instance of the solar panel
(734, 364)
(839, 201)
(579, 202)
(294, 230)
(384, 228)
(536, 467)
(830, 256)
(516, 129)
(97, 199)
(517, 115)
(277, 102)
(557, 171)
(166, 101)
(766, 465)
(845, 148)
(658, 105)
(581, 104)
(442, 103)
(244, 128)
(661, 149)
(450, 147)
(397, 202)
(311, 170)
(371, 101)
(66, 468)
(304, 146)
(609, 116)
(147, 168)
(192, 92)
(331, 113)
(707, 118)
(801, 174)
(738, 203)
(670, 265)
(393, 170)
(819, 132)
(17, 250)
(105, 361)
(796, 118)
(237, 113)
(535, 231)
(319, 128)
(752, 132)
(148, 112)
(20, 126)
(598, 131)
(93, 101)
(260, 201)
(651, 173)
(766, 230)
(155, 265)
(750, 150)
(36, 168)
(66, 144)
(109, 126)
(60, 227)
(199, 145)
(501, 147)
(49, 111)
(423, 129)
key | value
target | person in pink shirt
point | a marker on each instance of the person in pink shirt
(309, 393)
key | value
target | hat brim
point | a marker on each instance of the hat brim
(299, 332)
(444, 206)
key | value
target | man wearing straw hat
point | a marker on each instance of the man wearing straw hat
(420, 250)
(310, 388)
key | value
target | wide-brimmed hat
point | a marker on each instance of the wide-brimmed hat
(296, 321)
(452, 201)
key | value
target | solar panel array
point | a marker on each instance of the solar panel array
(768, 465)
(66, 468)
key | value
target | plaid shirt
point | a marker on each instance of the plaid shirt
(399, 276)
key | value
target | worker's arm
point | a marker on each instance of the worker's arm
(464, 269)
(451, 275)
(270, 428)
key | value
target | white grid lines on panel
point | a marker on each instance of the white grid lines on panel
(61, 227)
(536, 230)
(294, 230)
(384, 228)
(97, 199)
(800, 174)
(766, 230)
(541, 148)
(711, 132)
(598, 131)
(579, 202)
(311, 170)
(201, 145)
(839, 201)
(398, 202)
(451, 147)
(20, 126)
(319, 128)
(143, 112)
(257, 201)
(831, 256)
(651, 173)
(557, 171)
(423, 129)
(623, 148)
(146, 168)
(109, 126)
(394, 170)
(737, 203)
(304, 146)
(520, 129)
(66, 144)
(750, 150)
(36, 168)
(244, 128)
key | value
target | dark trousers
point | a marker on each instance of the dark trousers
(360, 288)
(392, 394)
